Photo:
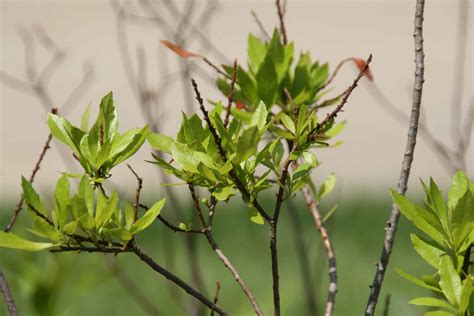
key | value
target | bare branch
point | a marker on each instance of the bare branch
(173, 278)
(222, 256)
(332, 290)
(392, 224)
(216, 296)
(217, 69)
(336, 71)
(36, 168)
(136, 203)
(282, 22)
(386, 306)
(15, 83)
(7, 295)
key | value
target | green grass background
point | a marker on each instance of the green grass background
(70, 284)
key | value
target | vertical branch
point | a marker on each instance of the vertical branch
(282, 22)
(386, 306)
(216, 296)
(7, 295)
(392, 224)
(136, 203)
(332, 290)
(220, 254)
(36, 168)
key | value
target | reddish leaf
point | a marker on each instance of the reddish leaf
(239, 105)
(360, 63)
(178, 50)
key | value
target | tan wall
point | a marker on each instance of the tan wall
(331, 30)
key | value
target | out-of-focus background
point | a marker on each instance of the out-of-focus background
(69, 53)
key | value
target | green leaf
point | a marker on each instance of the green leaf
(104, 213)
(247, 143)
(160, 142)
(310, 158)
(85, 118)
(288, 123)
(267, 83)
(128, 144)
(336, 129)
(329, 213)
(31, 197)
(70, 228)
(438, 203)
(148, 218)
(415, 280)
(259, 117)
(450, 282)
(44, 229)
(327, 186)
(465, 295)
(222, 194)
(439, 313)
(61, 196)
(421, 218)
(463, 218)
(255, 52)
(65, 132)
(86, 192)
(459, 187)
(108, 112)
(427, 251)
(255, 216)
(9, 240)
(430, 301)
(129, 215)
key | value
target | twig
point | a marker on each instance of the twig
(351, 88)
(222, 256)
(173, 278)
(230, 97)
(137, 193)
(36, 168)
(7, 295)
(332, 289)
(282, 22)
(171, 226)
(392, 224)
(108, 249)
(217, 69)
(132, 289)
(336, 71)
(260, 24)
(216, 296)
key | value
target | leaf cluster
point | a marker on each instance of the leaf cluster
(448, 229)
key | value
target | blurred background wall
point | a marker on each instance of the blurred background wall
(331, 30)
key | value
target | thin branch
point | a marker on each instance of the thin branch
(15, 83)
(409, 151)
(173, 278)
(346, 96)
(222, 256)
(171, 226)
(230, 97)
(134, 291)
(7, 295)
(36, 168)
(217, 69)
(216, 296)
(260, 24)
(332, 288)
(108, 249)
(136, 203)
(336, 71)
(78, 91)
(282, 22)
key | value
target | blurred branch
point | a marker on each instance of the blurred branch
(260, 24)
(7, 295)
(408, 153)
(216, 296)
(281, 18)
(386, 305)
(133, 291)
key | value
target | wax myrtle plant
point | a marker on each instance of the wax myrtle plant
(446, 245)
(90, 218)
(261, 139)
